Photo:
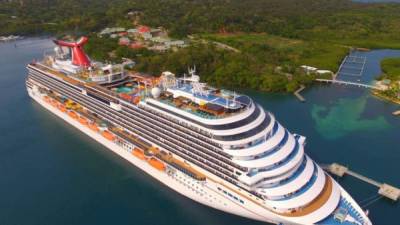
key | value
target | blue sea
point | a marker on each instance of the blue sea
(51, 174)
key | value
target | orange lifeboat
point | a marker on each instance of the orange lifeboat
(62, 108)
(46, 99)
(54, 103)
(73, 115)
(108, 135)
(156, 164)
(138, 153)
(93, 127)
(83, 121)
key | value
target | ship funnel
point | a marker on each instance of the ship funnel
(79, 58)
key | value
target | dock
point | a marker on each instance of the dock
(352, 65)
(385, 190)
(374, 87)
(297, 93)
(396, 113)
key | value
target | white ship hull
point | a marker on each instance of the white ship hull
(218, 148)
(208, 195)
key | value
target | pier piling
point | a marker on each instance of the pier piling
(385, 190)
(297, 93)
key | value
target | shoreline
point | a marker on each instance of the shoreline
(385, 98)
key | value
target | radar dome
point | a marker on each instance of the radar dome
(155, 92)
(57, 50)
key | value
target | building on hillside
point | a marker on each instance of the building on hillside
(132, 31)
(176, 43)
(136, 45)
(383, 84)
(309, 69)
(122, 34)
(159, 48)
(144, 29)
(146, 36)
(112, 30)
(160, 40)
(158, 32)
(324, 72)
(124, 41)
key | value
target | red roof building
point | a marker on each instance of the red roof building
(124, 41)
(121, 34)
(136, 45)
(144, 29)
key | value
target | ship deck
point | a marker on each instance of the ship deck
(317, 203)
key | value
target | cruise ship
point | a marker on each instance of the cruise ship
(214, 146)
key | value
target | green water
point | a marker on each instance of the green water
(52, 174)
(343, 117)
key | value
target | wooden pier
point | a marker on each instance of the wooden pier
(297, 93)
(385, 190)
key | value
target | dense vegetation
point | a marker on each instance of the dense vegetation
(274, 36)
(256, 68)
(391, 69)
(341, 20)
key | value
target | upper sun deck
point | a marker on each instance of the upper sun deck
(198, 99)
(218, 97)
(205, 102)
(187, 95)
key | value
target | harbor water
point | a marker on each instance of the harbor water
(52, 174)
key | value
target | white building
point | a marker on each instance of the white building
(309, 69)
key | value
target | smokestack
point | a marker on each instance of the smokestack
(79, 58)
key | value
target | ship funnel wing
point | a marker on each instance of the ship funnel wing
(79, 58)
